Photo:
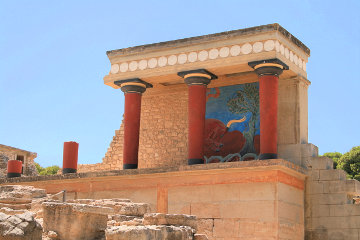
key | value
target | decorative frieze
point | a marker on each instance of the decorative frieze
(209, 54)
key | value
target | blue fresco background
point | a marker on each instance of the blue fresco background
(217, 108)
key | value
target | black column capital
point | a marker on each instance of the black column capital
(269, 67)
(134, 85)
(197, 77)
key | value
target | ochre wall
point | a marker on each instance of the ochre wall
(163, 127)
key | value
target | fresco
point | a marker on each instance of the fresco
(232, 125)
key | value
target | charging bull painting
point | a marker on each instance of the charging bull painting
(232, 124)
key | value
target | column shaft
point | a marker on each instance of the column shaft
(131, 129)
(196, 116)
(70, 157)
(268, 90)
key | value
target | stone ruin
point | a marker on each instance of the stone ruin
(29, 213)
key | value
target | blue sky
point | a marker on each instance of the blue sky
(52, 61)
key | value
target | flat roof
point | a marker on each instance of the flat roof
(212, 37)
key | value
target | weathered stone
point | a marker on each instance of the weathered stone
(149, 232)
(170, 219)
(200, 237)
(52, 235)
(75, 221)
(19, 227)
(8, 192)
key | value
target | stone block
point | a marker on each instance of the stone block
(205, 210)
(334, 186)
(290, 212)
(75, 221)
(259, 210)
(170, 219)
(332, 175)
(205, 226)
(20, 227)
(321, 163)
(352, 186)
(149, 232)
(200, 237)
(314, 187)
(226, 228)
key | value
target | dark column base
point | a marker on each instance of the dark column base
(194, 161)
(130, 166)
(264, 156)
(12, 175)
(68, 170)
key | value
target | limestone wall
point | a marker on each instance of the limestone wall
(163, 127)
(330, 210)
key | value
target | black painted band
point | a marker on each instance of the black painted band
(197, 81)
(68, 170)
(130, 166)
(202, 71)
(264, 156)
(12, 175)
(270, 70)
(193, 161)
(133, 88)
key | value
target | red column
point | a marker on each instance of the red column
(197, 80)
(196, 117)
(268, 90)
(70, 157)
(131, 129)
(268, 72)
(14, 168)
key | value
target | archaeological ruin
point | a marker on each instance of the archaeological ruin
(213, 145)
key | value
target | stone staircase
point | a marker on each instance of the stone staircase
(332, 211)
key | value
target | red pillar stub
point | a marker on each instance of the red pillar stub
(70, 157)
(14, 168)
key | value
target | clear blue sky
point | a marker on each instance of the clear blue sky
(52, 61)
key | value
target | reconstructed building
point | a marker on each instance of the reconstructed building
(12, 153)
(216, 126)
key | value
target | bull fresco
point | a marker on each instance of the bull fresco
(232, 123)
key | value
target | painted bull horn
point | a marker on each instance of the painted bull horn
(235, 121)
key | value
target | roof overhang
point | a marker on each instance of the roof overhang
(224, 54)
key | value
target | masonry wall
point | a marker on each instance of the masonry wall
(330, 210)
(163, 127)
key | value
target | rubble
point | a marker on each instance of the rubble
(29, 213)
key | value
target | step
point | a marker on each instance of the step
(321, 163)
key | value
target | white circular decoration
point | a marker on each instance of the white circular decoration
(296, 60)
(235, 50)
(203, 55)
(246, 48)
(277, 46)
(142, 64)
(269, 45)
(124, 67)
(114, 68)
(162, 61)
(133, 65)
(282, 50)
(224, 52)
(291, 56)
(300, 63)
(172, 60)
(152, 62)
(182, 58)
(192, 57)
(287, 53)
(304, 66)
(258, 47)
(214, 53)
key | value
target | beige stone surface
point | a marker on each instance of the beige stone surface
(75, 221)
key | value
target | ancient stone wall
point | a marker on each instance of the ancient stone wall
(11, 153)
(163, 134)
(330, 208)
